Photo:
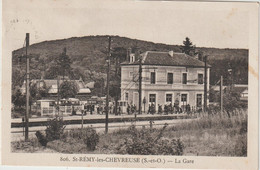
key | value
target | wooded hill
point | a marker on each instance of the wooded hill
(88, 55)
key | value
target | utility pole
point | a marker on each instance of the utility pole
(58, 95)
(221, 94)
(140, 84)
(205, 85)
(27, 87)
(108, 70)
(116, 76)
(63, 61)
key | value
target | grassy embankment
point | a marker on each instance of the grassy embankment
(208, 135)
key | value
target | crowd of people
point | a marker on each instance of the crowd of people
(166, 109)
(100, 109)
(132, 109)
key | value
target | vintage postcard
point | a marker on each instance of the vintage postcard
(130, 84)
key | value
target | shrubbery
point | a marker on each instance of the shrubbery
(90, 138)
(241, 142)
(87, 135)
(147, 142)
(241, 146)
(227, 135)
(219, 120)
(54, 131)
(41, 138)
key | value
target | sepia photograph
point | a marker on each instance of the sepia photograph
(141, 83)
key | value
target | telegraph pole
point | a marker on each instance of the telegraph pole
(27, 87)
(108, 70)
(58, 95)
(140, 84)
(221, 94)
(205, 85)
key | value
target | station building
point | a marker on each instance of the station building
(83, 94)
(166, 77)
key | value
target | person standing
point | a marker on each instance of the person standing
(134, 108)
(176, 105)
(98, 110)
(119, 110)
(128, 109)
(159, 109)
(188, 109)
(171, 108)
(153, 108)
(91, 110)
(165, 109)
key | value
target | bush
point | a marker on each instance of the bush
(18, 112)
(144, 142)
(54, 129)
(41, 138)
(241, 146)
(71, 145)
(218, 120)
(90, 138)
(243, 129)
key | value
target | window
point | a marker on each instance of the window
(132, 58)
(200, 78)
(131, 74)
(170, 78)
(199, 100)
(184, 97)
(152, 98)
(152, 77)
(126, 96)
(184, 78)
(169, 98)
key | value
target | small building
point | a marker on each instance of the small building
(90, 85)
(166, 77)
(242, 90)
(45, 107)
(84, 92)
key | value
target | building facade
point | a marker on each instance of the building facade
(83, 94)
(166, 77)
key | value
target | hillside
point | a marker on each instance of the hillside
(89, 53)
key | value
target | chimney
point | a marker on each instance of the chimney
(42, 75)
(132, 58)
(171, 53)
(129, 51)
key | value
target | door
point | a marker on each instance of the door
(199, 101)
(152, 100)
(136, 100)
(184, 99)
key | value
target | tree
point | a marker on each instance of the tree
(99, 82)
(68, 89)
(231, 101)
(63, 63)
(200, 55)
(188, 48)
(44, 90)
(98, 87)
(78, 73)
(118, 56)
(51, 72)
(18, 99)
(37, 93)
(18, 77)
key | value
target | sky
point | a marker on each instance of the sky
(219, 25)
